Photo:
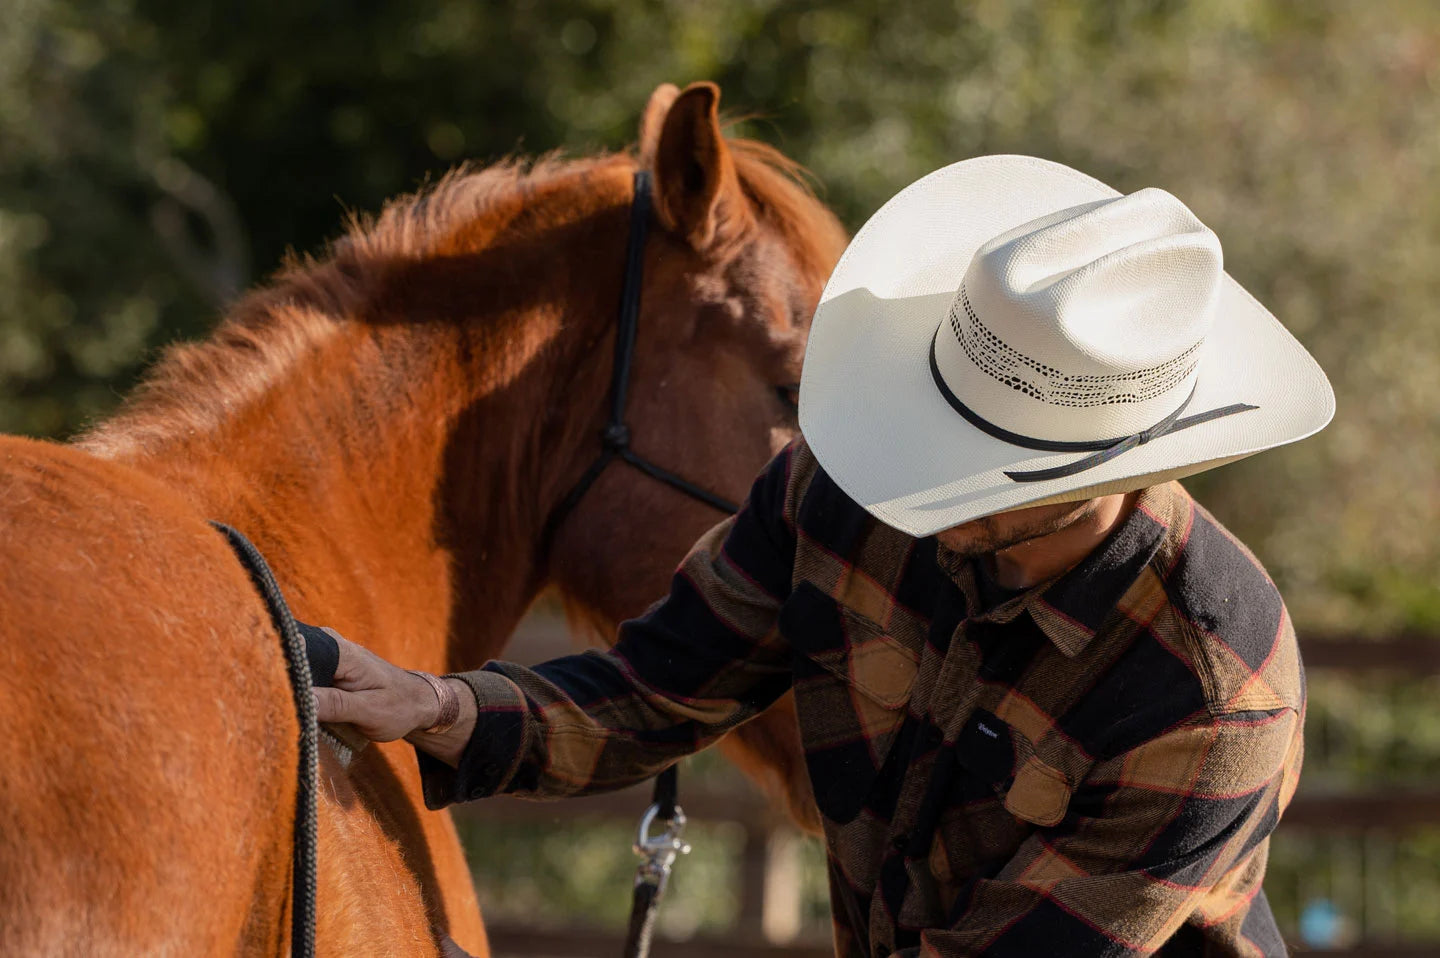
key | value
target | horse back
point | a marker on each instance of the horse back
(148, 738)
(143, 731)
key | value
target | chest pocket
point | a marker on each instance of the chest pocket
(1000, 794)
(852, 682)
(997, 763)
(1039, 794)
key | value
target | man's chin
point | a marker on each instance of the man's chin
(984, 541)
(977, 543)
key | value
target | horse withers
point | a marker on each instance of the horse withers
(392, 424)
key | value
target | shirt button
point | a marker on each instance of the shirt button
(898, 843)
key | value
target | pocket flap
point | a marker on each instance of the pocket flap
(1039, 794)
(852, 683)
(882, 669)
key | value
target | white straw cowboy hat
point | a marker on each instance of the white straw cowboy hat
(1008, 332)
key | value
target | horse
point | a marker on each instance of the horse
(391, 423)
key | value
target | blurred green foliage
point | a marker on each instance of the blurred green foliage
(157, 157)
(581, 871)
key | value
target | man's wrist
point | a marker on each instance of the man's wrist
(449, 705)
(426, 701)
(449, 744)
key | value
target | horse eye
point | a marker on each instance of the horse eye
(790, 396)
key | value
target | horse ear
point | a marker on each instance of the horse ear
(652, 119)
(697, 193)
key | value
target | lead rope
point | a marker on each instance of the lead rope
(657, 856)
(302, 910)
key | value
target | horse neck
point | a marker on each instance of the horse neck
(397, 473)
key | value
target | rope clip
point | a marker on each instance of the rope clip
(658, 852)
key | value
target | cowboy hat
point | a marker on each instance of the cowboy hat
(1009, 332)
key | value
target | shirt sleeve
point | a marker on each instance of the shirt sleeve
(1172, 828)
(701, 661)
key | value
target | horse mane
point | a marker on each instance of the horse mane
(272, 328)
(425, 223)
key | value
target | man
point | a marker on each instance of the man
(1050, 706)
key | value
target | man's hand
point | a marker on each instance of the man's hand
(381, 701)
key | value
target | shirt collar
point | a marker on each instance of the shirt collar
(1071, 608)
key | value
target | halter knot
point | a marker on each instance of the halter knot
(615, 437)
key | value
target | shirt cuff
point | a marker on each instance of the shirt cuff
(493, 752)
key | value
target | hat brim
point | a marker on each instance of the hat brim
(877, 424)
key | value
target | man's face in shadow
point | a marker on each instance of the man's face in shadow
(991, 534)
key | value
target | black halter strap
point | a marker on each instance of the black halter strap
(615, 444)
(615, 437)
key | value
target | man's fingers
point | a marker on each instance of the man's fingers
(357, 667)
(377, 698)
(333, 705)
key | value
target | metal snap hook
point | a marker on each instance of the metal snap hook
(659, 851)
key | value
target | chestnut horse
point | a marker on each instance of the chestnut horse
(392, 425)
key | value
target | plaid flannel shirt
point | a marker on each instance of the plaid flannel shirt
(1092, 767)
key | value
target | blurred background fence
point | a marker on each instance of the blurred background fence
(158, 156)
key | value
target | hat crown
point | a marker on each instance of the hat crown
(1103, 288)
(1087, 322)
